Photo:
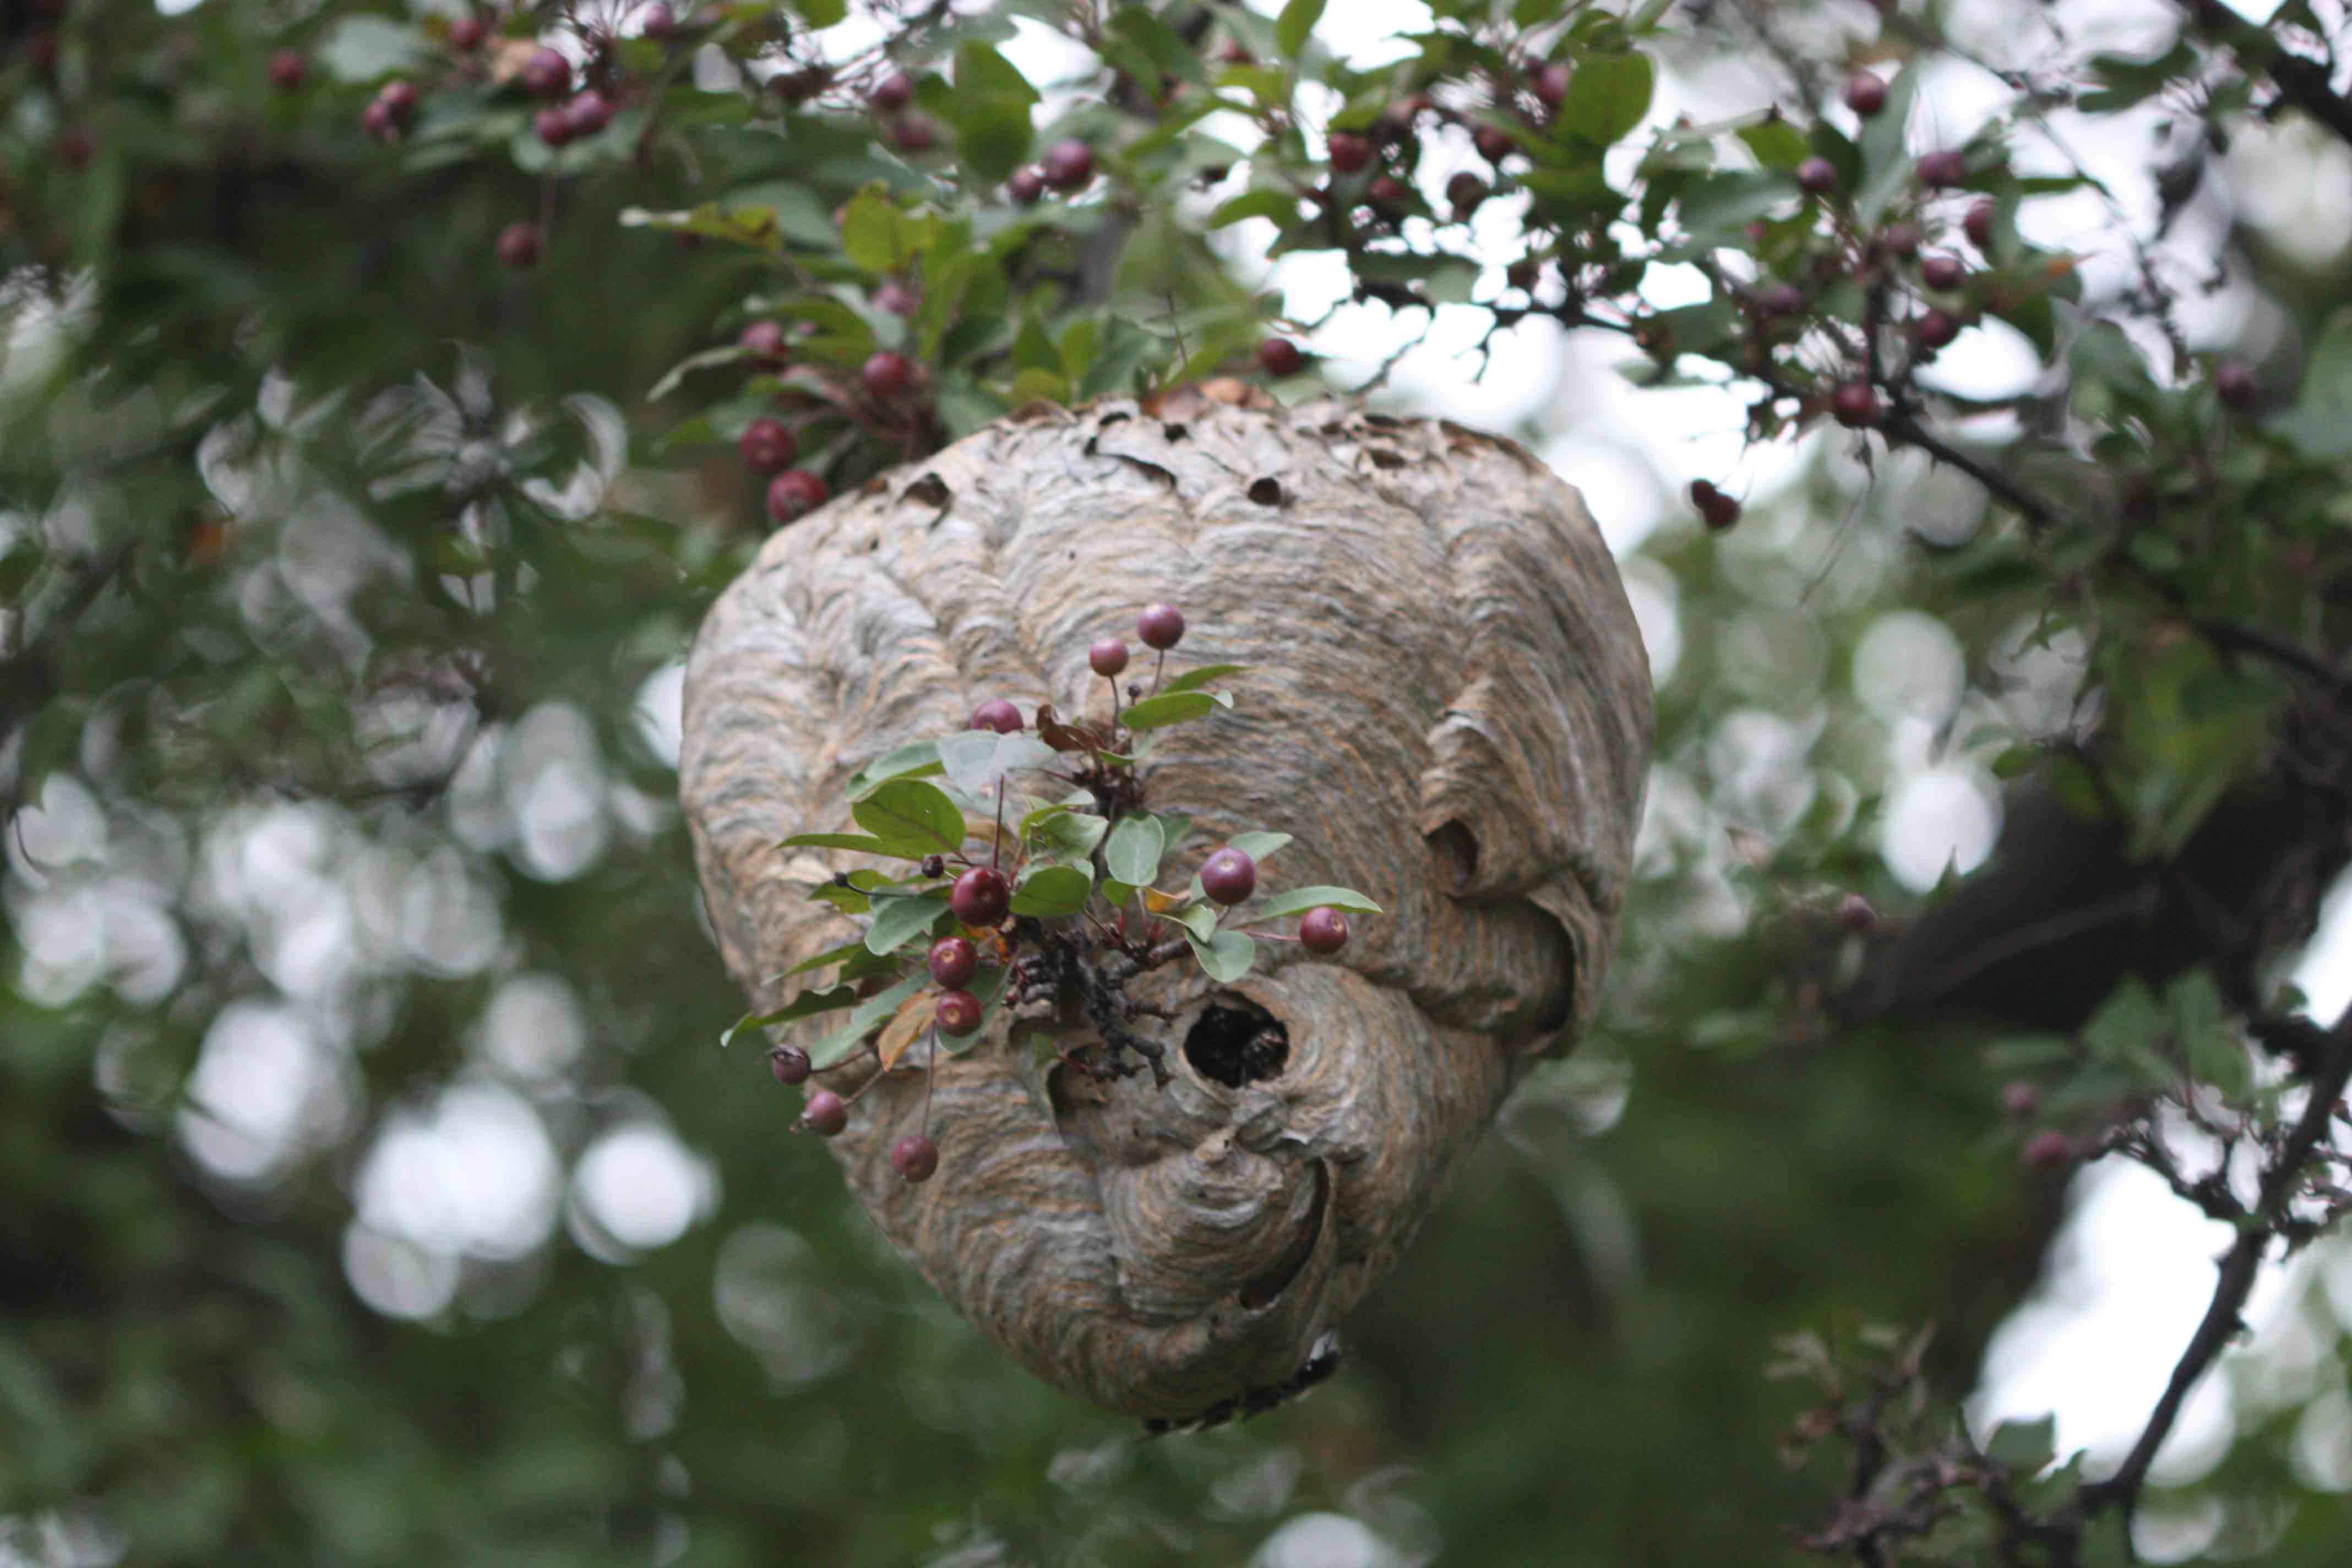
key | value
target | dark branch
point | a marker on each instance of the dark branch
(1904, 428)
(2238, 638)
(2281, 1182)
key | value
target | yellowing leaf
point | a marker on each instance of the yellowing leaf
(914, 1016)
(507, 57)
(1160, 903)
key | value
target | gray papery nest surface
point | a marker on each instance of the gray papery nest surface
(1447, 704)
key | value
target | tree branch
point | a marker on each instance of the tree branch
(1904, 427)
(2281, 1182)
(2238, 638)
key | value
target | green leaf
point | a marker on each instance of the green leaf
(1718, 208)
(751, 224)
(1777, 144)
(1843, 156)
(793, 209)
(1885, 137)
(1298, 901)
(897, 922)
(2317, 422)
(829, 957)
(2016, 760)
(1582, 191)
(990, 111)
(20, 560)
(822, 13)
(977, 760)
(1198, 919)
(1036, 817)
(900, 848)
(2023, 1444)
(1297, 21)
(704, 359)
(1069, 839)
(919, 760)
(843, 336)
(1607, 97)
(2125, 81)
(807, 1005)
(1258, 846)
(2200, 1021)
(1132, 854)
(1226, 955)
(2028, 1053)
(1193, 679)
(1051, 890)
(362, 48)
(1033, 347)
(1080, 341)
(868, 1015)
(1159, 43)
(911, 811)
(881, 238)
(1282, 206)
(1173, 708)
(857, 961)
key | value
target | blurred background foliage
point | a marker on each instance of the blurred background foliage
(375, 1191)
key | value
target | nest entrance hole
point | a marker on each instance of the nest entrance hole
(1236, 1042)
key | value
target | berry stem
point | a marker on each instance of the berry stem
(1158, 671)
(851, 1060)
(931, 1078)
(996, 839)
(852, 1097)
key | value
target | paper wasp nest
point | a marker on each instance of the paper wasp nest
(1447, 704)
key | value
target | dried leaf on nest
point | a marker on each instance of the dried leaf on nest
(906, 1025)
(507, 57)
(1068, 737)
(1192, 399)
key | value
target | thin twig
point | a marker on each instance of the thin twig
(2238, 638)
(1904, 426)
(2281, 1181)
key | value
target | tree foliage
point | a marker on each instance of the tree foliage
(377, 415)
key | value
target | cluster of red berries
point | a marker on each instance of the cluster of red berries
(768, 445)
(390, 111)
(1716, 509)
(1068, 167)
(981, 896)
(587, 112)
(546, 73)
(910, 131)
(1943, 305)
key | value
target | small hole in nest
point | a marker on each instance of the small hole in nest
(1238, 1042)
(1266, 493)
(1457, 855)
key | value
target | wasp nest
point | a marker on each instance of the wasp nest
(1447, 705)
